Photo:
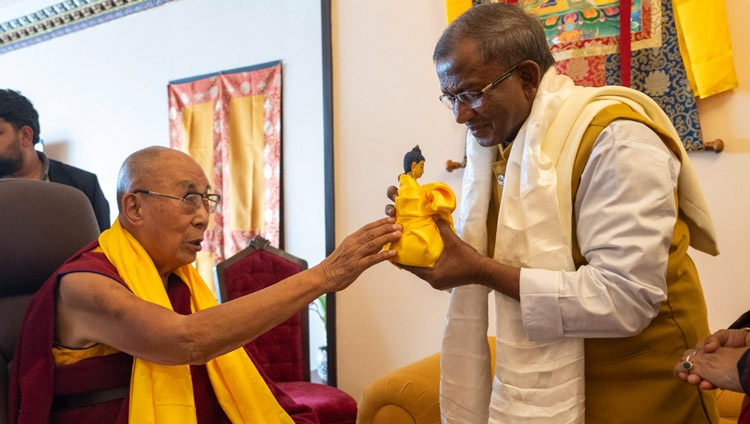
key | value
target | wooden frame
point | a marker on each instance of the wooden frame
(325, 9)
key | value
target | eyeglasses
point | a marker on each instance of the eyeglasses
(473, 99)
(191, 201)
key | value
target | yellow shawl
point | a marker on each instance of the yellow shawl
(164, 393)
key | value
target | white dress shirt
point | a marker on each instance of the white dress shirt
(625, 211)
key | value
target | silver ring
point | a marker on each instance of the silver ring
(687, 365)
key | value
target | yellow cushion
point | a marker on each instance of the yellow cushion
(408, 395)
(729, 404)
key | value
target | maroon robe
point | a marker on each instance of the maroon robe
(743, 369)
(41, 392)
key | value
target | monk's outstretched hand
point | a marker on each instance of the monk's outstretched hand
(359, 251)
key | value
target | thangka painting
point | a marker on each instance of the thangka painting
(590, 28)
(584, 37)
(230, 123)
(672, 64)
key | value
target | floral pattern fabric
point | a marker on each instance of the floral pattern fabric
(231, 124)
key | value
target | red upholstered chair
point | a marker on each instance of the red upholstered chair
(283, 352)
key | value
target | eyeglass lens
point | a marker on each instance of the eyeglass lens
(473, 99)
(192, 201)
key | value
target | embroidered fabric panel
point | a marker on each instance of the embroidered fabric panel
(584, 36)
(660, 73)
(231, 124)
(588, 28)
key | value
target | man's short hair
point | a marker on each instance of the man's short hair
(18, 111)
(505, 34)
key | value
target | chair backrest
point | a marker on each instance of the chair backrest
(41, 225)
(282, 352)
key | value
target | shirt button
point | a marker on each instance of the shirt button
(501, 179)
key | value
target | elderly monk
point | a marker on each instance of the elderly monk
(126, 330)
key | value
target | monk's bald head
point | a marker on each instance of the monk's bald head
(149, 169)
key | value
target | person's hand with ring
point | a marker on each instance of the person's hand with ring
(713, 363)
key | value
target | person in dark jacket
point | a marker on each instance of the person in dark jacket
(19, 134)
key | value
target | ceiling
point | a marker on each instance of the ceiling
(4, 3)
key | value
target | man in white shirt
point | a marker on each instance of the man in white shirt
(586, 253)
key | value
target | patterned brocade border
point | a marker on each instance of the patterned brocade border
(64, 18)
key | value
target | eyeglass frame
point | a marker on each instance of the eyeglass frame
(449, 100)
(210, 201)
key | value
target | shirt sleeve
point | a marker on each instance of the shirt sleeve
(626, 211)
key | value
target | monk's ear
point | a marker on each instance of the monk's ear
(131, 208)
(531, 76)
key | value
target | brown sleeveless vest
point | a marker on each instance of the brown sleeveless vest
(630, 380)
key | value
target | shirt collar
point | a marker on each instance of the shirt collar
(45, 165)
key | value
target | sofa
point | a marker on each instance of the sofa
(410, 395)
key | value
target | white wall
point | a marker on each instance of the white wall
(101, 92)
(385, 101)
(725, 176)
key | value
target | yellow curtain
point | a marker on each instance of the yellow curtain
(705, 47)
(246, 143)
(197, 127)
(454, 8)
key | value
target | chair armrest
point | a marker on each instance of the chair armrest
(410, 394)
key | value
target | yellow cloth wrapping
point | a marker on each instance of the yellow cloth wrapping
(164, 393)
(420, 243)
(705, 46)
